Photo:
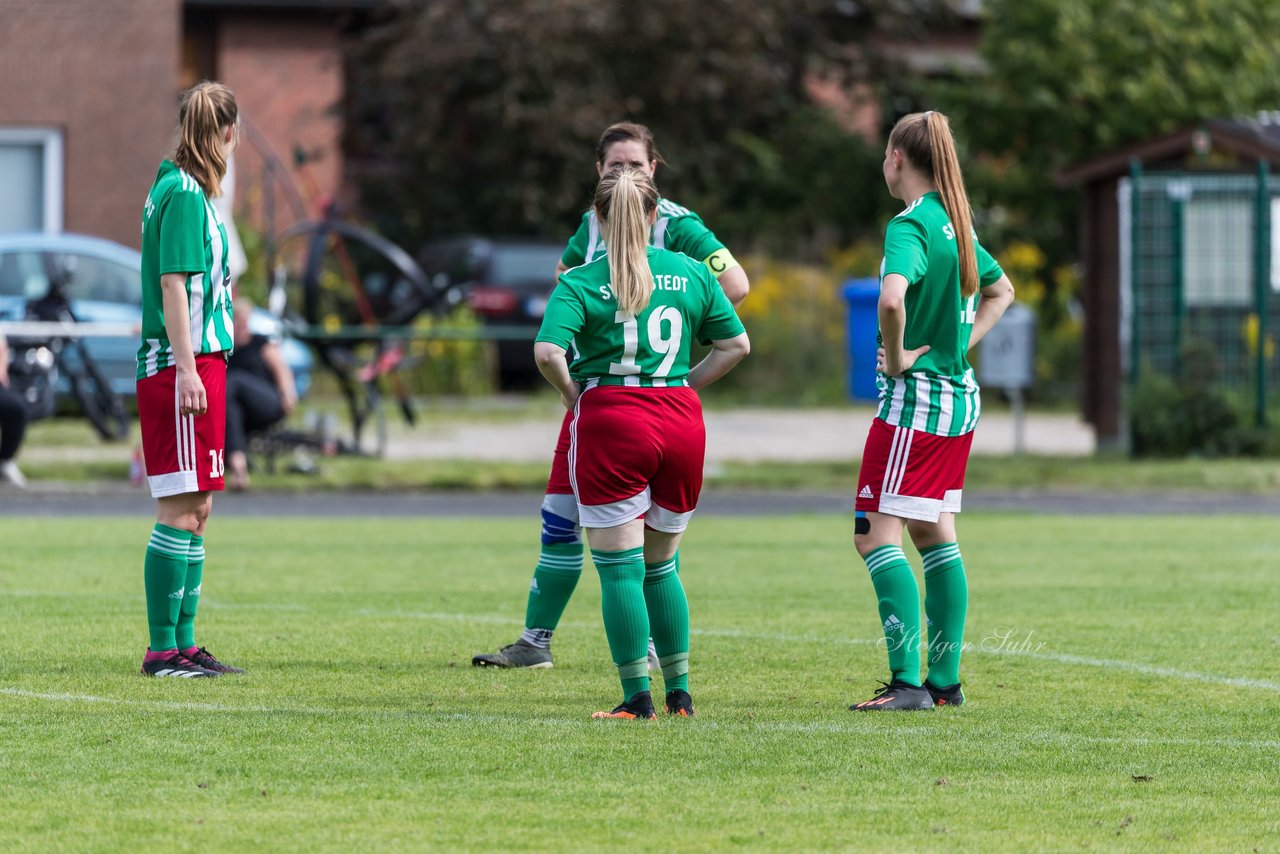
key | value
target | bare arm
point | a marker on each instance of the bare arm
(191, 394)
(992, 305)
(555, 369)
(722, 358)
(560, 268)
(4, 361)
(283, 375)
(735, 285)
(892, 310)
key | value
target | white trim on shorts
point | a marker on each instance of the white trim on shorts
(183, 480)
(910, 507)
(668, 521)
(615, 513)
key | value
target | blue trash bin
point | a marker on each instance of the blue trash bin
(862, 296)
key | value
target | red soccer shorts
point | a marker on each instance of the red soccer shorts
(912, 474)
(637, 452)
(184, 452)
(559, 483)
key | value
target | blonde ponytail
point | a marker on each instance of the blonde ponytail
(925, 139)
(624, 199)
(207, 110)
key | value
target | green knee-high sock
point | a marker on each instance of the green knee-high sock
(554, 579)
(946, 600)
(186, 630)
(626, 621)
(668, 620)
(899, 600)
(164, 576)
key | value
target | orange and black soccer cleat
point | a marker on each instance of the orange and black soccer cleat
(639, 707)
(679, 703)
(948, 696)
(896, 696)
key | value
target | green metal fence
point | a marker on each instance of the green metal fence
(1201, 286)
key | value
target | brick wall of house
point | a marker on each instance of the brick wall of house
(287, 73)
(103, 72)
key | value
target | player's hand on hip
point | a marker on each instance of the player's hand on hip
(192, 399)
(908, 360)
(571, 400)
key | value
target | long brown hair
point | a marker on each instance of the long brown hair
(627, 132)
(207, 110)
(925, 139)
(624, 199)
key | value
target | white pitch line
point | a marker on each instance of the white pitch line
(735, 725)
(1148, 669)
(1061, 658)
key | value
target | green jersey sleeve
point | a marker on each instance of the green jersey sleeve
(182, 232)
(906, 251)
(989, 271)
(721, 321)
(566, 316)
(575, 251)
(686, 233)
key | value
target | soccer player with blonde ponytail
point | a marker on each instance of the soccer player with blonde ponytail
(625, 204)
(636, 455)
(560, 554)
(940, 293)
(182, 370)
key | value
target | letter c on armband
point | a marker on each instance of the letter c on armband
(719, 261)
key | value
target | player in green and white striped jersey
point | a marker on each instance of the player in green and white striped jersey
(940, 292)
(182, 367)
(182, 233)
(677, 228)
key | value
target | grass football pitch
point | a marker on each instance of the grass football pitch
(1124, 694)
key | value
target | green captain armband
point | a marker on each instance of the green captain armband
(719, 261)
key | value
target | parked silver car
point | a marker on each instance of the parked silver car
(104, 283)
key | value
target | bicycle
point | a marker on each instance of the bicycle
(45, 355)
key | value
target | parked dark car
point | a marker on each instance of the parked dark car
(506, 281)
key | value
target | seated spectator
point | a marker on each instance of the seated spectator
(260, 392)
(13, 422)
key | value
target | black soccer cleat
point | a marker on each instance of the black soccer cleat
(639, 707)
(177, 666)
(896, 696)
(520, 654)
(679, 703)
(948, 696)
(203, 658)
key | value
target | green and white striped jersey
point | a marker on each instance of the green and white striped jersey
(676, 228)
(651, 349)
(939, 395)
(182, 233)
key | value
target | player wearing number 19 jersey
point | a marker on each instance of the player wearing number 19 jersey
(636, 455)
(613, 352)
(561, 555)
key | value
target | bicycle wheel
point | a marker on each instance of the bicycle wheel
(337, 274)
(98, 401)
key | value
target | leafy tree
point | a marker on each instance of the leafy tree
(482, 115)
(1066, 81)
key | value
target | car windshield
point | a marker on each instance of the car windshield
(515, 264)
(92, 278)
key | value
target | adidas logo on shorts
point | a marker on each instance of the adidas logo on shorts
(865, 492)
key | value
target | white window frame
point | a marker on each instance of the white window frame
(51, 140)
